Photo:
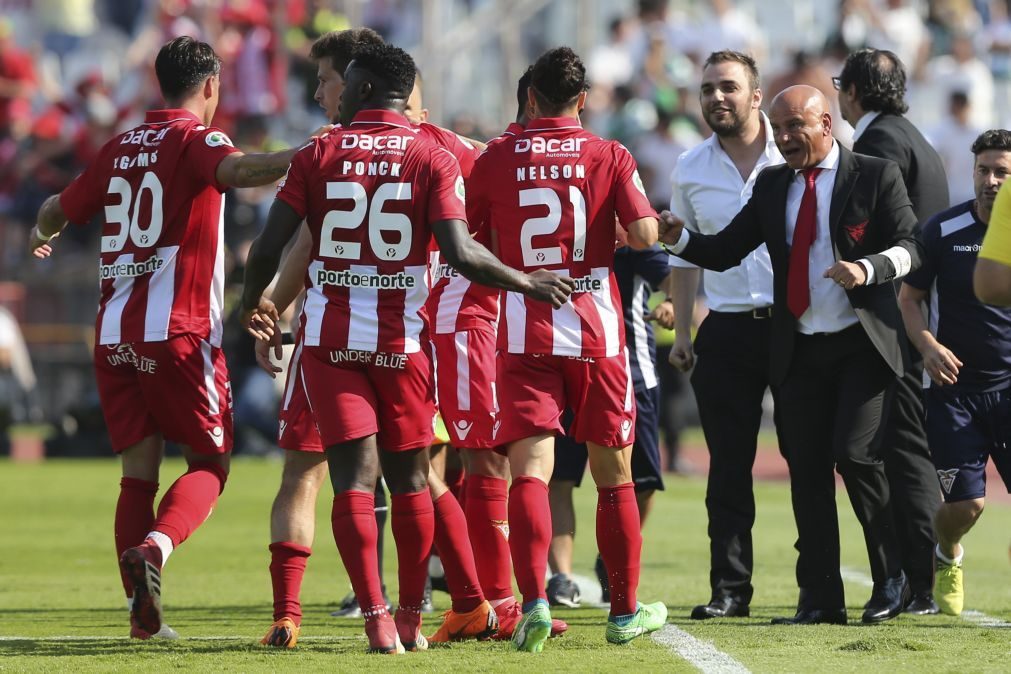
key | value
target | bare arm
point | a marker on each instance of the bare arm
(252, 170)
(259, 314)
(686, 286)
(939, 362)
(292, 276)
(642, 233)
(992, 282)
(477, 264)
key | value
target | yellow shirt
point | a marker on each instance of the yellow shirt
(997, 242)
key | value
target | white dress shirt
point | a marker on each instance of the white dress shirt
(862, 123)
(830, 309)
(707, 192)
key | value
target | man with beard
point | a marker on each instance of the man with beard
(967, 353)
(710, 185)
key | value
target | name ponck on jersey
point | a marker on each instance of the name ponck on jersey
(162, 266)
(369, 193)
(550, 194)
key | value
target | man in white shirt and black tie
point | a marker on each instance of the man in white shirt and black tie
(711, 183)
(839, 228)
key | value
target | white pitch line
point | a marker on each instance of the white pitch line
(88, 637)
(975, 617)
(702, 655)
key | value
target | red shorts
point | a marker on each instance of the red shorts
(355, 394)
(534, 390)
(178, 387)
(297, 430)
(465, 377)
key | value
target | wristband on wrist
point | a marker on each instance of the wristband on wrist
(41, 237)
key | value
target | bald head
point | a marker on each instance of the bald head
(802, 125)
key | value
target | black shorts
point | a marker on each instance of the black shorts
(963, 431)
(570, 457)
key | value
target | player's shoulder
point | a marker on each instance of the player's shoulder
(949, 221)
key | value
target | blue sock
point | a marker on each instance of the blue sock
(622, 620)
(529, 605)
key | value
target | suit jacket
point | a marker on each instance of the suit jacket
(870, 213)
(894, 137)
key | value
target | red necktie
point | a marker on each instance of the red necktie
(798, 294)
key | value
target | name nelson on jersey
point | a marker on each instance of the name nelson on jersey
(550, 147)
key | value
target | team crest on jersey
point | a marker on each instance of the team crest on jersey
(947, 478)
(217, 139)
(461, 193)
(637, 181)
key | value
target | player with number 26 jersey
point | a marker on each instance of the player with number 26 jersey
(367, 285)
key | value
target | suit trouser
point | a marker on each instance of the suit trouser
(730, 378)
(912, 480)
(835, 400)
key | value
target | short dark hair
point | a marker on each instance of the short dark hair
(183, 64)
(557, 79)
(879, 78)
(391, 64)
(339, 46)
(994, 139)
(731, 56)
(521, 91)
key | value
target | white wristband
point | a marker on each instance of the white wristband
(40, 236)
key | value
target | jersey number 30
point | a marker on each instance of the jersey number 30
(379, 222)
(126, 213)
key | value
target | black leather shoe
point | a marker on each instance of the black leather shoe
(817, 616)
(887, 600)
(922, 603)
(721, 607)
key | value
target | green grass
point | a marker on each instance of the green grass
(58, 579)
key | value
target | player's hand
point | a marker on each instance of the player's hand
(547, 286)
(941, 364)
(663, 314)
(261, 322)
(263, 349)
(670, 227)
(322, 131)
(682, 355)
(39, 248)
(848, 275)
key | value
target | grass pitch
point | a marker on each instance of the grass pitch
(61, 605)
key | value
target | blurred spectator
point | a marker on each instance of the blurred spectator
(951, 138)
(65, 24)
(728, 28)
(657, 153)
(895, 25)
(611, 64)
(17, 85)
(963, 71)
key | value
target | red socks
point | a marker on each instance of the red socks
(530, 535)
(488, 525)
(620, 544)
(354, 530)
(413, 525)
(287, 567)
(134, 517)
(456, 554)
(189, 501)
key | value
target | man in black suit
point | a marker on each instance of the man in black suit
(839, 228)
(872, 87)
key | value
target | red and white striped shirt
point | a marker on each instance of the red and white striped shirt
(457, 304)
(369, 193)
(549, 197)
(162, 268)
